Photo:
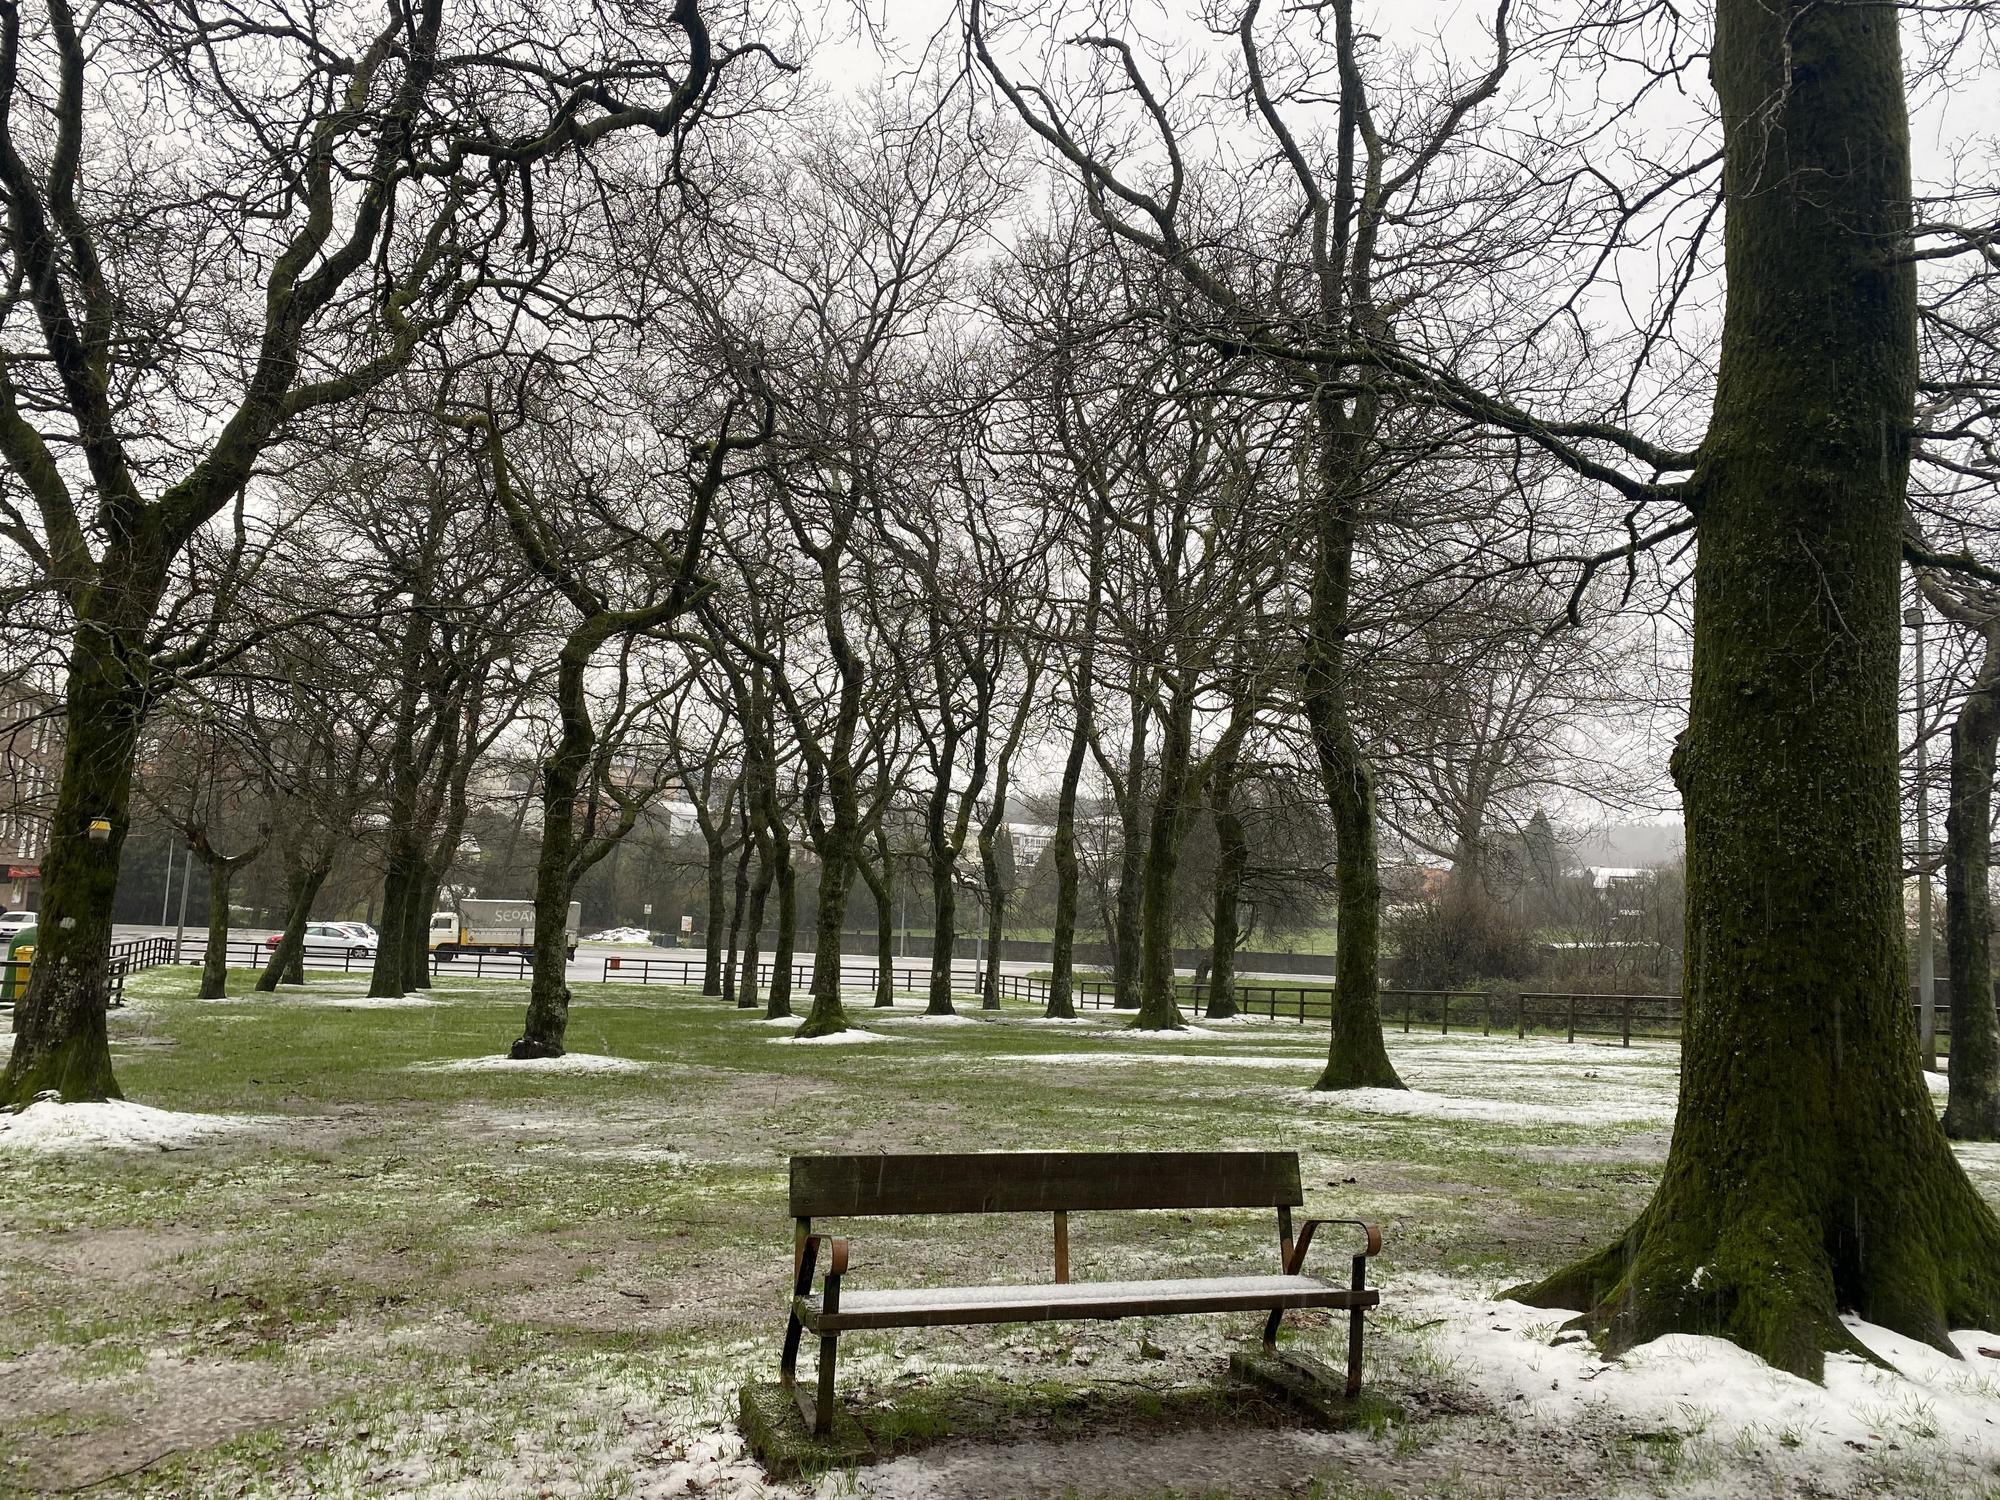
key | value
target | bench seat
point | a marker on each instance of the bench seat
(935, 1306)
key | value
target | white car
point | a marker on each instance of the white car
(15, 922)
(333, 937)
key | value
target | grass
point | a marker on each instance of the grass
(416, 1279)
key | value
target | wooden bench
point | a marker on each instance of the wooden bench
(1058, 1183)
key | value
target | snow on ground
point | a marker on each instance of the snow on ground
(1420, 1104)
(569, 1062)
(116, 1125)
(1152, 1059)
(1929, 1409)
(848, 1038)
(927, 1020)
(1135, 1034)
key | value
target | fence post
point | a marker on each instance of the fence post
(1489, 1014)
(1408, 1001)
(1625, 1004)
(1572, 1018)
(1521, 1015)
(1444, 1026)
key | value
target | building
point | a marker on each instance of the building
(30, 768)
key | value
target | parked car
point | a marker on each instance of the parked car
(15, 921)
(333, 937)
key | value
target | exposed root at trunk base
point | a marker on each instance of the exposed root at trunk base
(77, 1070)
(527, 1049)
(1362, 1064)
(825, 1018)
(1767, 1280)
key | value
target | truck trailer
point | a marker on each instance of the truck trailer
(494, 927)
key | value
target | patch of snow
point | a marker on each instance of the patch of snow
(848, 1038)
(1420, 1104)
(927, 1020)
(1153, 1059)
(115, 1125)
(1149, 1034)
(569, 1062)
(1929, 1408)
(793, 1021)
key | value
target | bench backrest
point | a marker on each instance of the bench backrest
(1042, 1182)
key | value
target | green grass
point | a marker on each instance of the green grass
(521, 1273)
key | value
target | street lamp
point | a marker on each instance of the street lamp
(1926, 961)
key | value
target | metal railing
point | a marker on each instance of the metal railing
(1542, 1013)
(123, 958)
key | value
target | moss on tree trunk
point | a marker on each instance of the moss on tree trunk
(60, 1042)
(1808, 1174)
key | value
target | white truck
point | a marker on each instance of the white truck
(494, 927)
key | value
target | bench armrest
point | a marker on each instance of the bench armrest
(836, 1267)
(1371, 1245)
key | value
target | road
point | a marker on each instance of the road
(587, 966)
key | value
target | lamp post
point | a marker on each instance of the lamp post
(1926, 961)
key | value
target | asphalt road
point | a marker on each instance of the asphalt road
(588, 965)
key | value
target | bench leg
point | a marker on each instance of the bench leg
(1271, 1330)
(788, 1362)
(1353, 1353)
(823, 1414)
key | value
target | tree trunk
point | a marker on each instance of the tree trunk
(996, 919)
(880, 878)
(944, 895)
(944, 932)
(1159, 1010)
(753, 932)
(1062, 948)
(1125, 939)
(746, 846)
(778, 1002)
(1232, 854)
(302, 886)
(1356, 1055)
(1972, 1109)
(1808, 1174)
(1061, 1004)
(215, 952)
(711, 922)
(60, 1042)
(547, 1020)
(419, 898)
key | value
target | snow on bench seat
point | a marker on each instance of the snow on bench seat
(918, 1307)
